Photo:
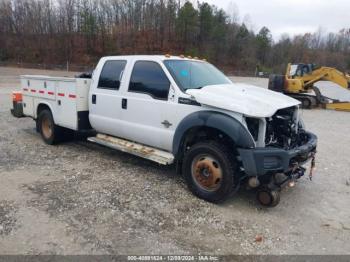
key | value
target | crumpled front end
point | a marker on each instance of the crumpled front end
(283, 144)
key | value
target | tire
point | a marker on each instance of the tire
(209, 169)
(306, 103)
(50, 133)
(267, 197)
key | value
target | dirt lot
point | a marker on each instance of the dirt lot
(80, 198)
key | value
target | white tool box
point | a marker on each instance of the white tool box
(67, 98)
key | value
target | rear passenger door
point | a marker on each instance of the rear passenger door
(146, 113)
(105, 112)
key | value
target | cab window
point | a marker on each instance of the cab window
(149, 78)
(111, 75)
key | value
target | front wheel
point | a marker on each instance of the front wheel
(209, 169)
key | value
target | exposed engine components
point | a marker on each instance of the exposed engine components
(284, 130)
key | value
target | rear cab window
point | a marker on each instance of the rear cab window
(149, 78)
(111, 74)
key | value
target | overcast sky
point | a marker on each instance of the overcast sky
(291, 16)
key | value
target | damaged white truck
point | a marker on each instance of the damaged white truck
(175, 110)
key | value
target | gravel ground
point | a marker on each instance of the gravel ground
(81, 198)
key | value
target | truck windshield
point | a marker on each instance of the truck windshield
(195, 74)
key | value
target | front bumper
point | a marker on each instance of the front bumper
(261, 161)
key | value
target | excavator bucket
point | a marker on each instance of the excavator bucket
(340, 106)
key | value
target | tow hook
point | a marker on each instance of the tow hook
(313, 166)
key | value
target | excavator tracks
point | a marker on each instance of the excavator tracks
(307, 101)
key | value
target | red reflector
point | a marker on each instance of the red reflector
(72, 96)
(25, 89)
(16, 96)
(33, 90)
(51, 93)
(42, 92)
(60, 94)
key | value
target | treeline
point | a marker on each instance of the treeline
(81, 31)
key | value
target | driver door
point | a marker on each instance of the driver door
(147, 113)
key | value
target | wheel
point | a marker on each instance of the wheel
(306, 103)
(209, 169)
(267, 197)
(50, 133)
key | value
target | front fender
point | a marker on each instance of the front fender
(225, 123)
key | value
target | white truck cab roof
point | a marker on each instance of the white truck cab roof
(158, 58)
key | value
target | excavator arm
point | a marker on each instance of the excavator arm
(327, 74)
(298, 81)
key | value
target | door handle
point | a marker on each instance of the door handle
(93, 99)
(124, 103)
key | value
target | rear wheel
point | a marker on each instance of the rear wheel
(50, 133)
(209, 170)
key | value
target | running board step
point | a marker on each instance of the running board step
(156, 155)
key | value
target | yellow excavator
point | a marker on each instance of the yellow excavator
(299, 80)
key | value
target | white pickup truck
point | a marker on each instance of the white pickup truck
(184, 111)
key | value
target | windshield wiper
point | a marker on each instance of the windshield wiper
(200, 87)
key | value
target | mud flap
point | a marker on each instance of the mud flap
(17, 110)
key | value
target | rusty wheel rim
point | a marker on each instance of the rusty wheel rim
(46, 127)
(207, 172)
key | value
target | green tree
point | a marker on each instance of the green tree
(187, 25)
(205, 22)
(219, 35)
(264, 41)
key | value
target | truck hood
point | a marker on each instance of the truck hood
(242, 98)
